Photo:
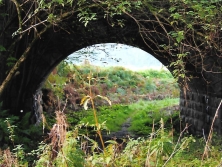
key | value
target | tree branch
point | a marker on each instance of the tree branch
(19, 13)
(19, 62)
(26, 52)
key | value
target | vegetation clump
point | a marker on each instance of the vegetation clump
(120, 85)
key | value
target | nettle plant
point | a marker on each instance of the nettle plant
(90, 98)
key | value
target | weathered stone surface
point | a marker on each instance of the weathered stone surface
(200, 111)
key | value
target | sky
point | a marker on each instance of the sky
(112, 54)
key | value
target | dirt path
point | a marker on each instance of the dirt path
(123, 132)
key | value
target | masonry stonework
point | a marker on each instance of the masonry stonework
(198, 111)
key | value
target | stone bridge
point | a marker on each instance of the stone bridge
(200, 94)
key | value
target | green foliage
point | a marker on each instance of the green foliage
(148, 113)
(121, 91)
(117, 83)
(156, 74)
(192, 19)
(15, 131)
(43, 152)
(86, 16)
(85, 10)
(152, 151)
(159, 148)
(179, 36)
(179, 66)
(7, 126)
(2, 48)
(185, 18)
(11, 61)
(150, 86)
(125, 79)
(143, 114)
(63, 69)
(56, 84)
(71, 154)
(58, 79)
(114, 116)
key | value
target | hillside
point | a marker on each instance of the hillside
(119, 85)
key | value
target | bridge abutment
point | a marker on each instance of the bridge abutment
(198, 110)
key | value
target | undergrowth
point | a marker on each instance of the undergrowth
(73, 148)
(114, 116)
(148, 113)
(120, 85)
(67, 148)
(75, 139)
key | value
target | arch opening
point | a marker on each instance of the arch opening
(118, 83)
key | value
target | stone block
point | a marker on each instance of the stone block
(197, 114)
(195, 122)
(207, 109)
(208, 119)
(188, 113)
(201, 116)
(200, 99)
(195, 97)
(182, 111)
(192, 97)
(198, 106)
(217, 123)
(200, 125)
(186, 120)
(189, 104)
(212, 112)
(190, 120)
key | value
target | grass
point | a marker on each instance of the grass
(142, 114)
(114, 116)
(192, 155)
(151, 73)
(147, 113)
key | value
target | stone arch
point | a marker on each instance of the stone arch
(198, 103)
(57, 44)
